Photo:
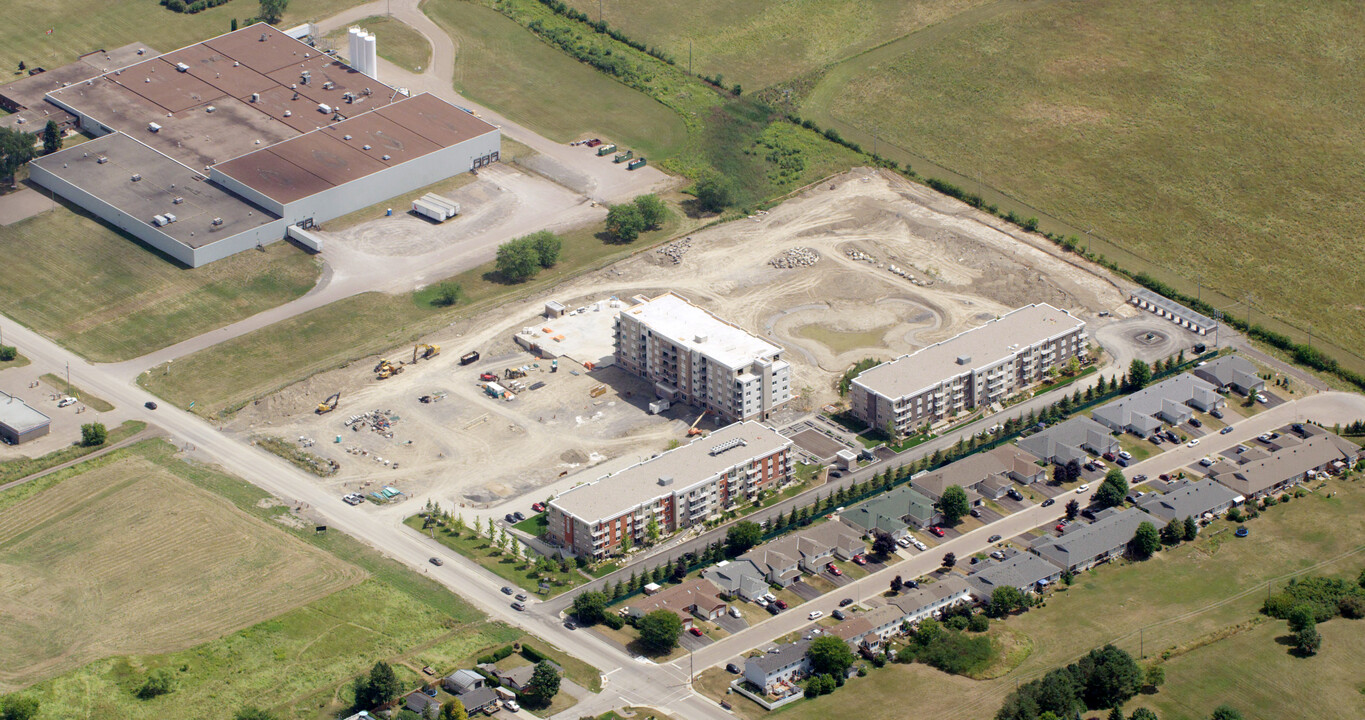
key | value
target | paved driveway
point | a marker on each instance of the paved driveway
(838, 580)
(731, 624)
(804, 591)
(1012, 506)
(987, 515)
(691, 642)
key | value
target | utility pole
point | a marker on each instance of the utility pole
(68, 377)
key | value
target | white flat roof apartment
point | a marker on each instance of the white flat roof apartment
(695, 357)
(977, 367)
(678, 488)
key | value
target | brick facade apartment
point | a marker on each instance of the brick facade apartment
(975, 368)
(678, 488)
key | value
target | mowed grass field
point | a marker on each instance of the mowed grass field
(1142, 120)
(82, 26)
(395, 42)
(110, 298)
(1181, 597)
(758, 44)
(504, 66)
(123, 556)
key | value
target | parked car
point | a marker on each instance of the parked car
(1060, 526)
(1263, 437)
(1139, 479)
(919, 545)
(64, 402)
(1015, 494)
(833, 569)
(998, 555)
(1121, 462)
(936, 530)
(773, 609)
(507, 590)
(1155, 439)
(149, 405)
(1108, 456)
(845, 602)
(437, 561)
(859, 560)
(993, 538)
(781, 604)
(1049, 502)
(1165, 477)
(1261, 398)
(1192, 442)
(1082, 488)
(975, 512)
(1088, 514)
(1226, 429)
(904, 541)
(733, 668)
(1172, 436)
(735, 613)
(538, 507)
(521, 597)
(519, 516)
(695, 631)
(1125, 455)
(519, 606)
(838, 615)
(509, 517)
(1196, 422)
(1242, 531)
(1216, 414)
(511, 705)
(1206, 461)
(815, 615)
(836, 474)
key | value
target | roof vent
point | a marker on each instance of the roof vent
(154, 127)
(287, 113)
(210, 109)
(728, 445)
(255, 97)
(236, 64)
(386, 157)
(140, 51)
(963, 359)
(135, 178)
(700, 338)
(182, 67)
(665, 481)
(265, 36)
(365, 147)
(345, 137)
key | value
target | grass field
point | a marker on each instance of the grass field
(82, 26)
(518, 572)
(230, 374)
(395, 42)
(110, 298)
(1159, 141)
(126, 557)
(500, 64)
(14, 469)
(758, 44)
(95, 403)
(1180, 598)
(18, 362)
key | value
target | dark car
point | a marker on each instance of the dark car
(838, 615)
(519, 516)
(1226, 429)
(507, 590)
(845, 602)
(835, 474)
(912, 584)
(733, 668)
(1195, 422)
(773, 609)
(975, 512)
(1155, 439)
(509, 517)
(1139, 479)
(1172, 437)
(437, 561)
(993, 538)
(1216, 413)
(569, 625)
(149, 405)
(1049, 502)
(1088, 514)
(1015, 494)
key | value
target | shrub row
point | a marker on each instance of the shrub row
(191, 8)
(564, 10)
(496, 655)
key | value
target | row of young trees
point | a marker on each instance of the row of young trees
(521, 259)
(625, 222)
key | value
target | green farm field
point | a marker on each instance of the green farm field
(82, 26)
(758, 44)
(1183, 597)
(110, 298)
(1140, 121)
(501, 64)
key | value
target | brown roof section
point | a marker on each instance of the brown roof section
(327, 157)
(322, 70)
(273, 176)
(436, 119)
(225, 73)
(161, 83)
(384, 138)
(261, 47)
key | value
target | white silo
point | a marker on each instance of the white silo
(355, 53)
(371, 56)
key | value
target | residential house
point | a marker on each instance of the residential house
(1170, 401)
(696, 598)
(1231, 372)
(893, 511)
(519, 677)
(777, 568)
(737, 578)
(1193, 499)
(926, 600)
(932, 485)
(1071, 440)
(780, 668)
(1081, 546)
(1320, 453)
(480, 700)
(994, 487)
(462, 681)
(817, 545)
(1022, 571)
(857, 632)
(986, 474)
(418, 702)
(884, 621)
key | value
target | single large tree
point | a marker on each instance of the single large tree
(453, 709)
(1113, 490)
(1073, 508)
(659, 631)
(882, 543)
(1139, 374)
(1191, 529)
(544, 684)
(517, 260)
(952, 504)
(1005, 600)
(624, 222)
(742, 536)
(829, 655)
(714, 193)
(653, 211)
(93, 434)
(949, 560)
(1111, 677)
(272, 11)
(16, 148)
(378, 688)
(547, 246)
(52, 138)
(589, 607)
(1145, 541)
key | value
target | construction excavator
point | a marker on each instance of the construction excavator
(386, 369)
(513, 373)
(329, 404)
(423, 351)
(694, 430)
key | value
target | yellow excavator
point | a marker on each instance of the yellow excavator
(329, 404)
(423, 351)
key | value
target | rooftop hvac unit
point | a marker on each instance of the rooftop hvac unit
(324, 108)
(386, 157)
(328, 85)
(170, 217)
(182, 67)
(287, 113)
(101, 160)
(345, 137)
(135, 178)
(159, 220)
(177, 201)
(210, 109)
(265, 36)
(217, 221)
(364, 147)
(154, 127)
(255, 97)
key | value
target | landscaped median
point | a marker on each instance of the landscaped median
(501, 554)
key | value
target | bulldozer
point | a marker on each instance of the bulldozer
(694, 430)
(386, 369)
(329, 404)
(423, 351)
(513, 373)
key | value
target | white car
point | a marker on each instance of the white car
(1082, 489)
(919, 545)
(1206, 461)
(761, 601)
(904, 542)
(735, 613)
(1192, 442)
(1261, 398)
(1125, 455)
(68, 400)
(815, 615)
(511, 705)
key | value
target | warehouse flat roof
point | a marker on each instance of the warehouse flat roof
(18, 416)
(31, 91)
(976, 348)
(318, 160)
(161, 181)
(682, 467)
(673, 317)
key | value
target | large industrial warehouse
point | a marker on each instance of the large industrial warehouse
(221, 146)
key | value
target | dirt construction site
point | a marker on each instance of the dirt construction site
(866, 264)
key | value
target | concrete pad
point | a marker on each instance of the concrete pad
(587, 336)
(22, 204)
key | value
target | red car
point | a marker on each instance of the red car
(695, 631)
(1059, 527)
(780, 603)
(538, 507)
(833, 569)
(1109, 456)
(488, 377)
(936, 530)
(859, 559)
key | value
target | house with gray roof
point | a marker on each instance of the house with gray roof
(1082, 547)
(1190, 500)
(893, 511)
(738, 578)
(778, 568)
(857, 632)
(784, 665)
(1071, 440)
(987, 474)
(462, 681)
(929, 598)
(418, 702)
(932, 485)
(1287, 466)
(1024, 571)
(1232, 372)
(1170, 401)
(20, 423)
